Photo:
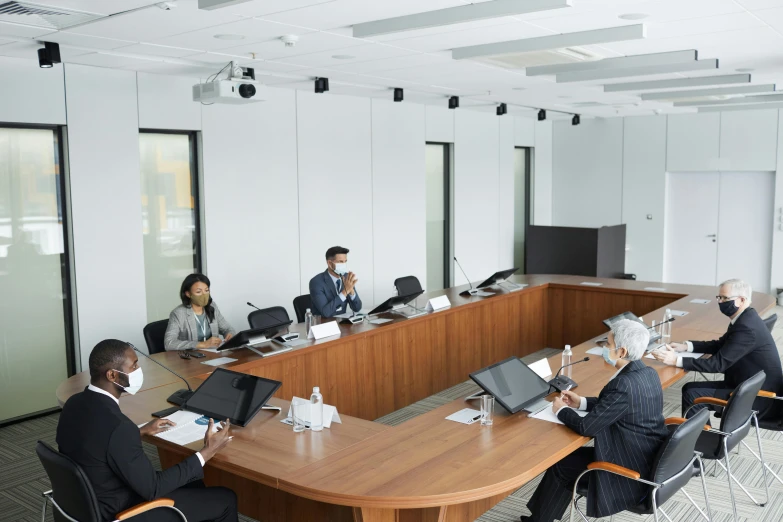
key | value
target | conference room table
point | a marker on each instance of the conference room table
(426, 468)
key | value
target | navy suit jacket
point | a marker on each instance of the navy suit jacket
(324, 299)
(626, 421)
(745, 349)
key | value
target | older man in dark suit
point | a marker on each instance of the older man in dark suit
(627, 422)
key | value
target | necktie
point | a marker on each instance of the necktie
(339, 285)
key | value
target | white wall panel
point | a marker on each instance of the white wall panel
(749, 140)
(165, 102)
(440, 124)
(644, 193)
(335, 185)
(398, 195)
(106, 205)
(29, 94)
(693, 142)
(250, 204)
(524, 132)
(476, 186)
(541, 181)
(506, 192)
(776, 279)
(587, 173)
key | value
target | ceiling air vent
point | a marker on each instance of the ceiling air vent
(43, 16)
(536, 58)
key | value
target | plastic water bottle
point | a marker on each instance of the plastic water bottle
(567, 360)
(666, 328)
(316, 410)
(308, 321)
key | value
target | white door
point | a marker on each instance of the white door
(691, 228)
(745, 226)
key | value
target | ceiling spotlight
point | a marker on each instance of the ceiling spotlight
(49, 55)
(453, 102)
(541, 115)
(397, 94)
(289, 40)
(43, 59)
(501, 109)
(166, 6)
(321, 85)
(575, 120)
(633, 16)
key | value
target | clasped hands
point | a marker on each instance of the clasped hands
(349, 281)
(668, 354)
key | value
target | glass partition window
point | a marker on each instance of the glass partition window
(35, 335)
(169, 199)
(438, 175)
(520, 206)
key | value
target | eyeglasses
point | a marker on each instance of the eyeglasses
(723, 298)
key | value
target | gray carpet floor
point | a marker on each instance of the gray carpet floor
(22, 479)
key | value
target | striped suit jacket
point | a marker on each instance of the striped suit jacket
(626, 421)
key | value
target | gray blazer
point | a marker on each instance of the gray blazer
(182, 332)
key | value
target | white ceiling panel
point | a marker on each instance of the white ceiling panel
(22, 31)
(267, 7)
(153, 23)
(390, 64)
(108, 60)
(358, 53)
(92, 42)
(253, 30)
(99, 6)
(29, 50)
(707, 25)
(170, 69)
(773, 17)
(157, 50)
(760, 4)
(308, 43)
(478, 24)
(495, 33)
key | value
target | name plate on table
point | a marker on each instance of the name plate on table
(438, 303)
(321, 331)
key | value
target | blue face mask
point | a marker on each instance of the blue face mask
(606, 353)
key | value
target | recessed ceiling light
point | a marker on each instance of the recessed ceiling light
(633, 16)
(343, 57)
(745, 69)
(519, 88)
(230, 36)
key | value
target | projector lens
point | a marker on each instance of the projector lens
(247, 90)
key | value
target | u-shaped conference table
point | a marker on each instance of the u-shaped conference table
(426, 469)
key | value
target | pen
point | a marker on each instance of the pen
(477, 417)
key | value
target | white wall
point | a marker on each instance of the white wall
(106, 205)
(506, 138)
(543, 157)
(163, 105)
(29, 94)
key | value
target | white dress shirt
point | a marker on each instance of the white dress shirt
(583, 402)
(340, 293)
(690, 344)
(98, 390)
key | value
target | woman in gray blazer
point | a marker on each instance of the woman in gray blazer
(197, 322)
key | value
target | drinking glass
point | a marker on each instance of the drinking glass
(487, 408)
(300, 412)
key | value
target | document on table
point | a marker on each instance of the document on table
(596, 351)
(548, 415)
(190, 427)
(219, 361)
(655, 288)
(679, 313)
(685, 355)
(700, 301)
(590, 283)
(465, 416)
(481, 293)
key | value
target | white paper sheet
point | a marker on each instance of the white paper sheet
(380, 320)
(465, 416)
(548, 415)
(190, 427)
(590, 283)
(596, 351)
(330, 414)
(542, 368)
(482, 293)
(700, 301)
(655, 288)
(679, 313)
(219, 361)
(685, 355)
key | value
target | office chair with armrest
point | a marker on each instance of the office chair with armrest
(770, 321)
(154, 334)
(266, 317)
(735, 422)
(672, 470)
(407, 285)
(301, 304)
(72, 495)
(632, 277)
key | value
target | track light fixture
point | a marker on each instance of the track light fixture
(321, 85)
(48, 55)
(575, 120)
(397, 94)
(541, 115)
(501, 109)
(453, 102)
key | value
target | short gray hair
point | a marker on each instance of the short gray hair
(739, 288)
(631, 335)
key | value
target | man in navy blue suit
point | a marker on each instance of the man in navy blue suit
(626, 421)
(333, 291)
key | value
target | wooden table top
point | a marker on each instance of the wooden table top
(427, 461)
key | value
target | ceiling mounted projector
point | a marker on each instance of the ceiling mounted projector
(239, 87)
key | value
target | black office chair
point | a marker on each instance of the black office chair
(735, 423)
(154, 334)
(770, 321)
(72, 495)
(672, 470)
(407, 285)
(271, 316)
(301, 304)
(629, 276)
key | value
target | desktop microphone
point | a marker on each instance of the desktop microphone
(561, 382)
(179, 397)
(662, 322)
(465, 293)
(277, 319)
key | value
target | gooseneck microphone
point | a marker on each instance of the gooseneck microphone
(669, 320)
(179, 397)
(562, 383)
(277, 319)
(465, 293)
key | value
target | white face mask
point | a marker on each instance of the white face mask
(135, 380)
(341, 268)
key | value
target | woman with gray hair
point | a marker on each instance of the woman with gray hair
(626, 420)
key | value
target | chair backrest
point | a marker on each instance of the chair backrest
(267, 317)
(407, 285)
(672, 465)
(736, 415)
(301, 304)
(70, 487)
(770, 321)
(154, 334)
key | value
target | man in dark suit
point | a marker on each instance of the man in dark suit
(107, 445)
(334, 291)
(745, 349)
(626, 421)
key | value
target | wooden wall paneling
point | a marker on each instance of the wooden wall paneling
(377, 369)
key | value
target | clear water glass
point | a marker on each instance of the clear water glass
(487, 409)
(300, 411)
